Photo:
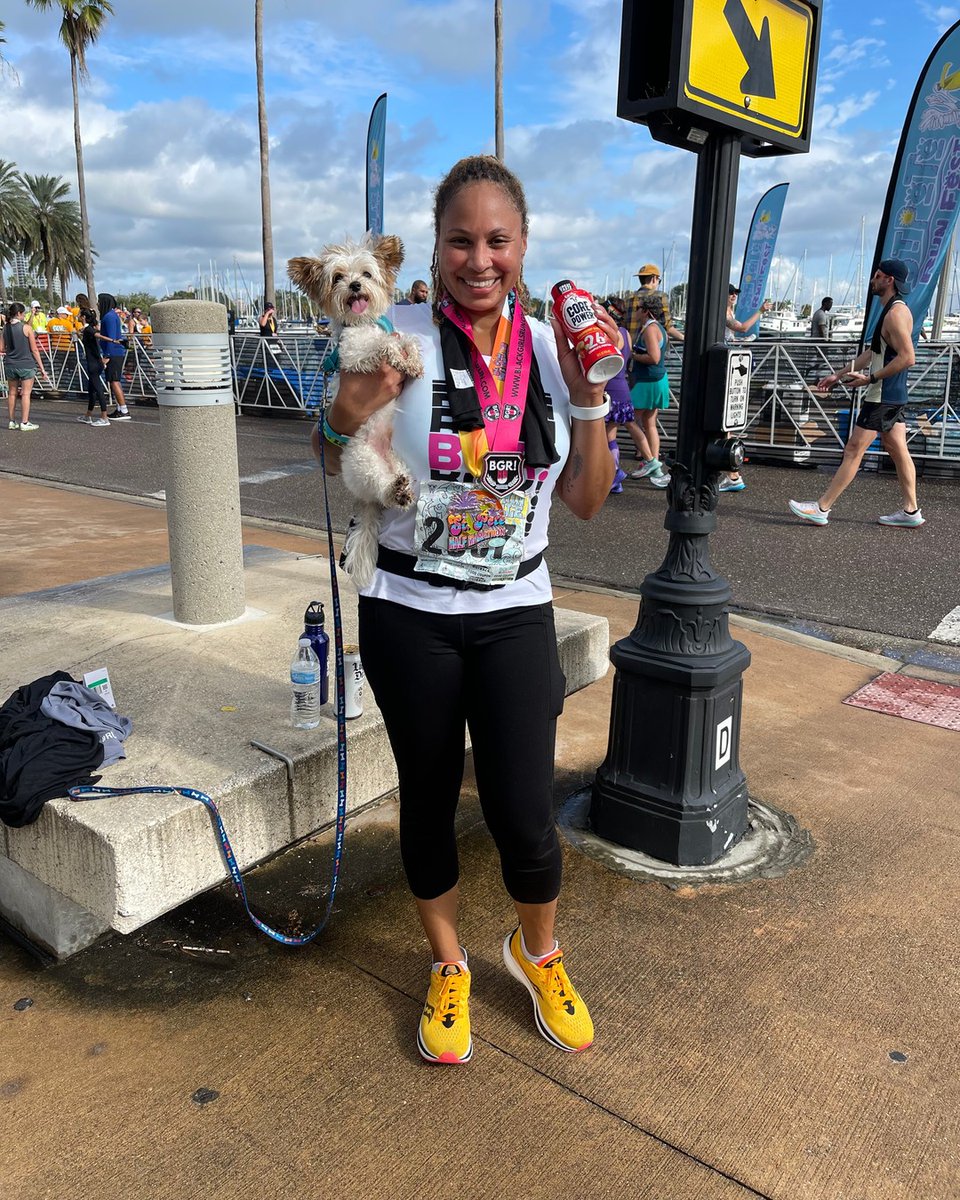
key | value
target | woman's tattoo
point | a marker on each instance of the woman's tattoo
(576, 465)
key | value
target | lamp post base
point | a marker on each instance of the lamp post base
(671, 784)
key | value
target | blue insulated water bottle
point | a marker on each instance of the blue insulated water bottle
(314, 630)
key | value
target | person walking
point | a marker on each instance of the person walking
(651, 389)
(94, 363)
(113, 344)
(22, 364)
(457, 630)
(621, 406)
(881, 369)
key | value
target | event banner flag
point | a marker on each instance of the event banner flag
(376, 135)
(761, 244)
(924, 192)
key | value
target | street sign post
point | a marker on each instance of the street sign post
(721, 78)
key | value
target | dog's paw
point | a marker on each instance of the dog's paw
(402, 492)
(412, 358)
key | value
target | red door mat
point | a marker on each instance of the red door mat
(913, 699)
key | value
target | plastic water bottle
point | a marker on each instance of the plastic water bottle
(305, 682)
(320, 641)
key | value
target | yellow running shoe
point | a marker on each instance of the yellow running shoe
(444, 1032)
(558, 1008)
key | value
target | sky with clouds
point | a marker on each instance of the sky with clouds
(169, 123)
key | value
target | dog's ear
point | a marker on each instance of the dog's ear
(307, 274)
(388, 251)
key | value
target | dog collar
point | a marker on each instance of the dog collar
(331, 360)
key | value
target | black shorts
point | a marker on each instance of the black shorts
(881, 417)
(115, 368)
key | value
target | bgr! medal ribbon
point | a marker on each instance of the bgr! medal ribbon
(502, 393)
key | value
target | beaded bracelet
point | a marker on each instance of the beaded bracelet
(331, 435)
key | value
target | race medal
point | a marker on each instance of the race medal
(501, 474)
(469, 536)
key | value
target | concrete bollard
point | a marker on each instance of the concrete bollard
(199, 445)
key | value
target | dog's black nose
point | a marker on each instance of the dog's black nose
(356, 286)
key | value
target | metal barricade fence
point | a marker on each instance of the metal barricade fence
(790, 422)
(280, 373)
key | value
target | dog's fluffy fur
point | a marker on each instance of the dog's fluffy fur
(353, 283)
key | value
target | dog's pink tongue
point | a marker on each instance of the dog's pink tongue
(358, 306)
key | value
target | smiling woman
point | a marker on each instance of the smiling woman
(456, 627)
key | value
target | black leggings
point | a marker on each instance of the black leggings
(434, 674)
(96, 388)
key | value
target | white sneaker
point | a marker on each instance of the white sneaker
(86, 419)
(809, 510)
(903, 518)
(660, 480)
(26, 426)
(13, 424)
(100, 423)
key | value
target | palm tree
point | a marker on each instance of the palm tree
(498, 77)
(82, 24)
(267, 220)
(55, 231)
(14, 218)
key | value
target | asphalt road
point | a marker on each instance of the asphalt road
(851, 573)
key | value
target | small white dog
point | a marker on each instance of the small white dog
(353, 283)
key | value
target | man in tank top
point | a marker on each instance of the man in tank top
(882, 369)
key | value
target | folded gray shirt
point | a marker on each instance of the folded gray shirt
(73, 704)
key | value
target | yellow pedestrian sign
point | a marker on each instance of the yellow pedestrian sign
(745, 66)
(751, 59)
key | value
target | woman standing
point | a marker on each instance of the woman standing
(22, 364)
(456, 627)
(651, 391)
(618, 392)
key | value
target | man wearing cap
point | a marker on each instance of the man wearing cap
(61, 329)
(882, 370)
(38, 318)
(649, 276)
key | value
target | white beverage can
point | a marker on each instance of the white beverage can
(353, 678)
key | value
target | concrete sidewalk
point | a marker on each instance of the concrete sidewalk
(790, 1037)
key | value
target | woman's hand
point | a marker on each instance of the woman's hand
(358, 398)
(581, 391)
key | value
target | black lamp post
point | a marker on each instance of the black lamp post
(671, 784)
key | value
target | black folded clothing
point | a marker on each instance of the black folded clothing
(39, 757)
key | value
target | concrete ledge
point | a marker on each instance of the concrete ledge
(197, 699)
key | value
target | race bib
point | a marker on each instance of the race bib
(468, 535)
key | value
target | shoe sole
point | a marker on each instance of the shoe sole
(121, 418)
(518, 973)
(902, 524)
(447, 1059)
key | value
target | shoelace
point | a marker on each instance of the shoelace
(453, 995)
(557, 988)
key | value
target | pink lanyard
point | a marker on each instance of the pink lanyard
(506, 417)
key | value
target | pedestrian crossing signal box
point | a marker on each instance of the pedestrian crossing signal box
(689, 68)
